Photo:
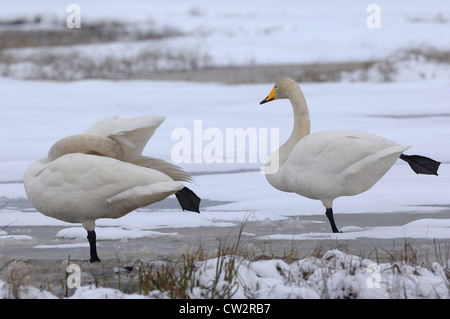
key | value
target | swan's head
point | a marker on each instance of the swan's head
(86, 144)
(281, 90)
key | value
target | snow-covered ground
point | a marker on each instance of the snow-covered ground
(412, 110)
(411, 41)
(243, 32)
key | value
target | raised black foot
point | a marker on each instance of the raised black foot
(188, 200)
(421, 164)
(329, 214)
(92, 238)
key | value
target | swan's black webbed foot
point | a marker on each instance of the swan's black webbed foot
(188, 200)
(421, 164)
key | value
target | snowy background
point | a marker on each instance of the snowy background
(393, 81)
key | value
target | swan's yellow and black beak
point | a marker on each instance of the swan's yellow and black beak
(269, 98)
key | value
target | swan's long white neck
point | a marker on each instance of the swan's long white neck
(302, 125)
(273, 170)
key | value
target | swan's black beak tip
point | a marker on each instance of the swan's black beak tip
(267, 99)
(270, 97)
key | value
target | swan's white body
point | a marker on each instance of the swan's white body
(101, 173)
(80, 188)
(329, 164)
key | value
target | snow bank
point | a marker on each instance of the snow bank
(421, 228)
(112, 233)
(235, 33)
(239, 32)
(334, 275)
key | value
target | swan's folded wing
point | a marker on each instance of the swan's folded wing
(332, 152)
(132, 134)
(143, 195)
(363, 174)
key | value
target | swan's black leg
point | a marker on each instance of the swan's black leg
(92, 238)
(329, 214)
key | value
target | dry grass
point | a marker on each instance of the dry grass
(179, 276)
(57, 34)
(52, 51)
(73, 65)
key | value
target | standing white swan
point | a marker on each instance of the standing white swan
(330, 164)
(102, 174)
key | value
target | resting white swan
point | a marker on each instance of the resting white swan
(102, 174)
(330, 164)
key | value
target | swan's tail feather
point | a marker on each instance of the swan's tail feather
(421, 164)
(174, 171)
(188, 200)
